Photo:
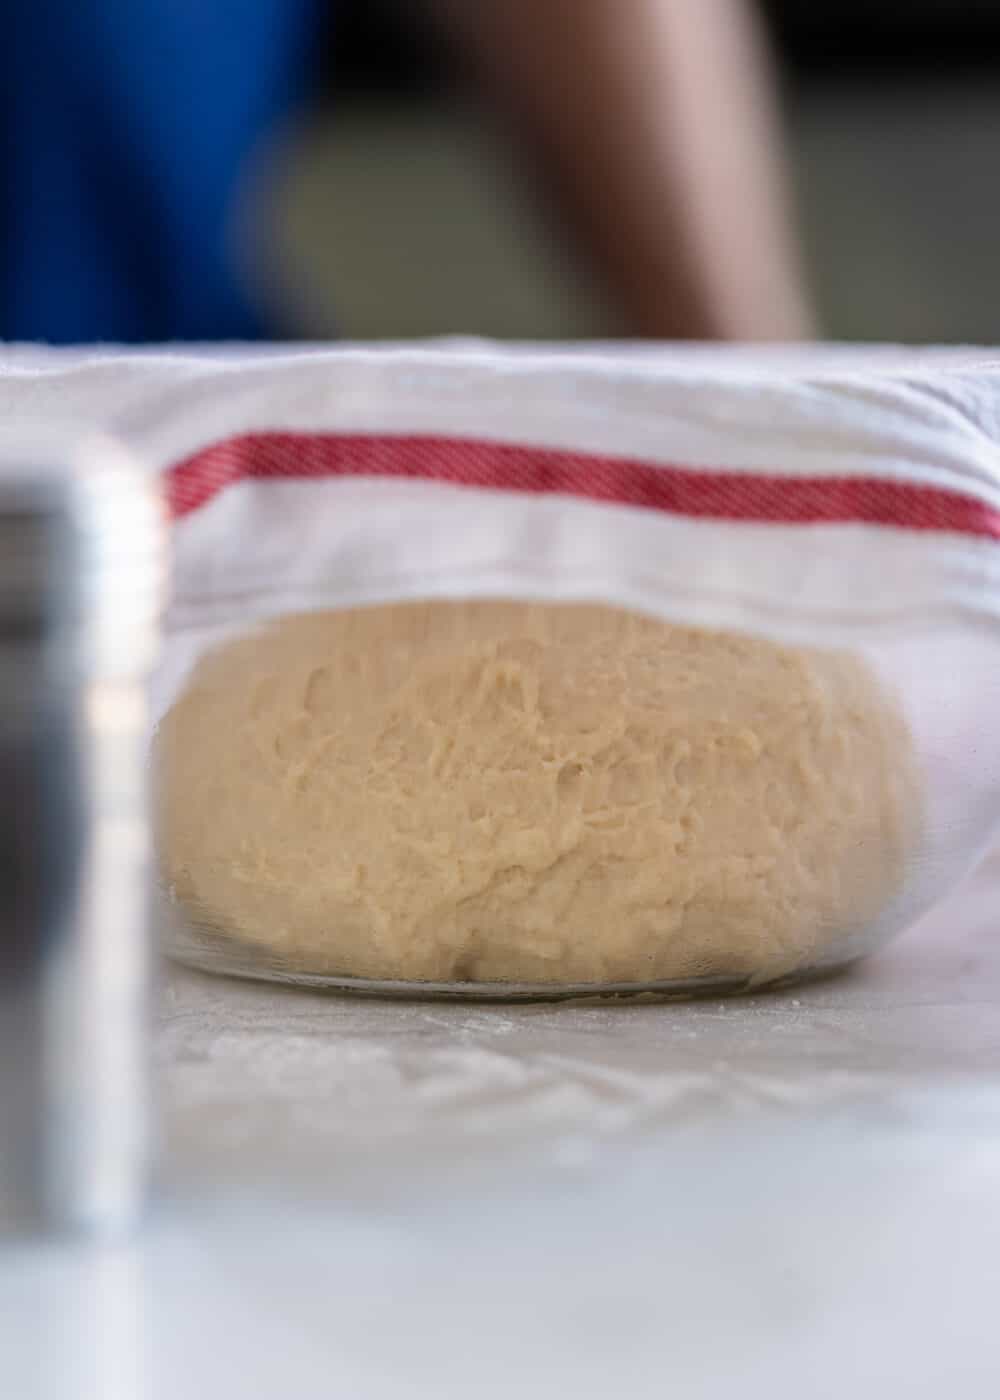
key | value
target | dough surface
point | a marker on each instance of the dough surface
(540, 793)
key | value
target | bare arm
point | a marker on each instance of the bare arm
(653, 123)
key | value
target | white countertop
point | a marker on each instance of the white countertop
(797, 1193)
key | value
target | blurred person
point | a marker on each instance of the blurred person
(130, 126)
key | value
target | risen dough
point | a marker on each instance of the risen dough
(535, 793)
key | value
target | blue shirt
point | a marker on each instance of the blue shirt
(127, 129)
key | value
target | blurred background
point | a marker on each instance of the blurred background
(892, 112)
(381, 198)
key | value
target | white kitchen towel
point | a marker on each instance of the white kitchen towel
(821, 495)
(725, 486)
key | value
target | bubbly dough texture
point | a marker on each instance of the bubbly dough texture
(540, 793)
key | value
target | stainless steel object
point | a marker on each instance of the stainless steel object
(82, 540)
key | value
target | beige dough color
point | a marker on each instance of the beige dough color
(498, 791)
